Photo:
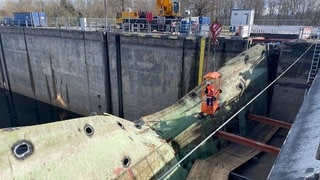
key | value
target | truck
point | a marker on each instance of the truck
(121, 16)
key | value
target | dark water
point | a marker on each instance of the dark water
(17, 110)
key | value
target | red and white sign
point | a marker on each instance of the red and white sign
(149, 17)
(215, 29)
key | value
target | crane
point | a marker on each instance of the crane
(169, 9)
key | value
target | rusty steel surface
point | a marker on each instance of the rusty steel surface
(218, 166)
(248, 142)
(270, 121)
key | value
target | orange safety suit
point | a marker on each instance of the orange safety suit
(209, 93)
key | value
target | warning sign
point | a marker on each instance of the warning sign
(215, 29)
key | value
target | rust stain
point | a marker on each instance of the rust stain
(48, 89)
(152, 146)
(143, 131)
(119, 170)
(67, 93)
(53, 77)
(60, 101)
(130, 173)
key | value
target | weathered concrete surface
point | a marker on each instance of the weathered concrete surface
(289, 90)
(155, 73)
(61, 68)
(299, 156)
(158, 70)
(226, 49)
(78, 70)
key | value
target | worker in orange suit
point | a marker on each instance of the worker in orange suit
(209, 94)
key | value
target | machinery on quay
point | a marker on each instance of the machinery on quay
(166, 13)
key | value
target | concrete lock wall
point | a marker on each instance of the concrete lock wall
(289, 90)
(226, 50)
(79, 70)
(62, 68)
(155, 73)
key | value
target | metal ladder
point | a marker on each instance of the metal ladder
(314, 65)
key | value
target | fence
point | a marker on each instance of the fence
(74, 23)
(100, 23)
(276, 22)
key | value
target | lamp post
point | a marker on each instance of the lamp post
(129, 18)
(105, 13)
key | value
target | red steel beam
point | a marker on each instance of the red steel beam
(270, 121)
(248, 142)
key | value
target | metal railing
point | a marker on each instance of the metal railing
(74, 23)
(276, 22)
(94, 24)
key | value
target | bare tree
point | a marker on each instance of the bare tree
(259, 8)
(223, 8)
(67, 8)
(308, 10)
(272, 7)
(117, 6)
(52, 8)
(312, 12)
(199, 7)
(17, 6)
(81, 7)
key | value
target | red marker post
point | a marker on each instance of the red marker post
(149, 17)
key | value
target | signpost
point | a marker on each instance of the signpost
(149, 19)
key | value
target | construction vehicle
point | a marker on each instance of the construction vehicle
(209, 108)
(167, 12)
(168, 8)
(121, 16)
